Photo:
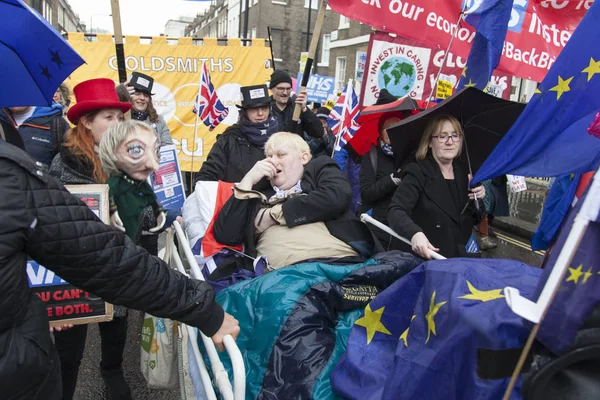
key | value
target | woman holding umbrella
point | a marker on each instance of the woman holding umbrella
(432, 204)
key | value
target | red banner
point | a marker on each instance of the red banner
(406, 67)
(537, 30)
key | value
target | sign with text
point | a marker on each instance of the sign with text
(166, 181)
(65, 303)
(361, 64)
(176, 72)
(444, 88)
(517, 183)
(537, 31)
(406, 67)
(319, 88)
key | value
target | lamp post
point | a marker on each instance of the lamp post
(96, 15)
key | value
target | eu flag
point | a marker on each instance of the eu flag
(490, 19)
(579, 291)
(550, 137)
(444, 331)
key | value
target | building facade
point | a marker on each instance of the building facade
(212, 23)
(59, 13)
(176, 27)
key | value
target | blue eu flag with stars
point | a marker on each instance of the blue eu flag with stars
(550, 138)
(490, 19)
(579, 292)
(441, 332)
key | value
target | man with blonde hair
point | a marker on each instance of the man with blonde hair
(304, 216)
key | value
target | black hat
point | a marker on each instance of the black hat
(323, 112)
(255, 96)
(278, 77)
(385, 97)
(142, 83)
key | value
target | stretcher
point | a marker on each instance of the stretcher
(203, 385)
(221, 378)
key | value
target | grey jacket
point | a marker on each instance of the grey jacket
(162, 130)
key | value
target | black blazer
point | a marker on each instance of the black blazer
(423, 203)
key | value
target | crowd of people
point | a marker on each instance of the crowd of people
(295, 198)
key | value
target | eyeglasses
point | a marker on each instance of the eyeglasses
(444, 138)
(285, 89)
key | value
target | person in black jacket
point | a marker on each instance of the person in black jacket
(242, 145)
(431, 205)
(44, 222)
(283, 104)
(310, 196)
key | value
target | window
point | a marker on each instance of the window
(280, 2)
(253, 33)
(314, 4)
(340, 73)
(325, 50)
(277, 44)
(344, 22)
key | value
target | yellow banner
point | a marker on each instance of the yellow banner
(176, 72)
(444, 89)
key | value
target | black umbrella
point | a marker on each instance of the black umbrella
(484, 118)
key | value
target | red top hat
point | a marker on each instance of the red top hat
(95, 94)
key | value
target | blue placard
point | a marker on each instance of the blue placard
(166, 180)
(319, 88)
(39, 276)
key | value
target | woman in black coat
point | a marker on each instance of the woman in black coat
(242, 145)
(432, 204)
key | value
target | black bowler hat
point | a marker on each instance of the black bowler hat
(255, 96)
(142, 83)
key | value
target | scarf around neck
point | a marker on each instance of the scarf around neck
(386, 148)
(139, 115)
(259, 133)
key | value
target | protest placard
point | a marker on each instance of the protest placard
(65, 303)
(166, 181)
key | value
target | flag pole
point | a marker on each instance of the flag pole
(116, 15)
(344, 108)
(529, 310)
(437, 78)
(196, 125)
(311, 54)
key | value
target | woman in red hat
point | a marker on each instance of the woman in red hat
(97, 108)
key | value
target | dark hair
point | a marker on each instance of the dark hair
(152, 114)
(243, 116)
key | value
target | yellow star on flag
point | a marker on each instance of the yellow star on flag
(404, 335)
(592, 69)
(587, 276)
(470, 84)
(430, 317)
(372, 322)
(482, 295)
(464, 73)
(575, 274)
(562, 87)
(537, 91)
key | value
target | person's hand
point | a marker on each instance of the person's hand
(421, 246)
(129, 88)
(263, 168)
(230, 326)
(60, 328)
(301, 99)
(478, 191)
(115, 222)
(263, 221)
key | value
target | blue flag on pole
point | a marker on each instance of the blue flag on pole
(550, 138)
(579, 292)
(490, 19)
(440, 332)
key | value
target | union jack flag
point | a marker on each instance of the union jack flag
(344, 116)
(208, 106)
